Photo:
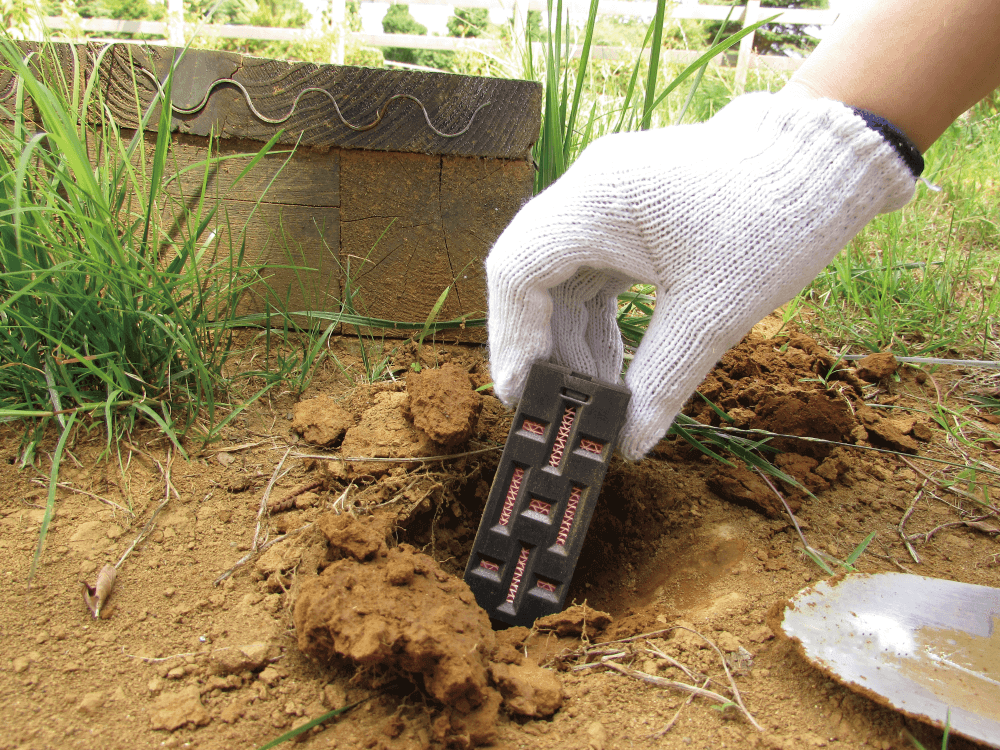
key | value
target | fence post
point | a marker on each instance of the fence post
(175, 23)
(750, 16)
(338, 26)
(520, 24)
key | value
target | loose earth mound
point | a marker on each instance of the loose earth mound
(350, 592)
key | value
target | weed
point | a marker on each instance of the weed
(920, 280)
(103, 313)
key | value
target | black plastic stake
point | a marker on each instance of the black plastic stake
(544, 493)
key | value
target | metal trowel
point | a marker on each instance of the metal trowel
(927, 647)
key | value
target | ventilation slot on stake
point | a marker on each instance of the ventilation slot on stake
(568, 516)
(539, 506)
(546, 586)
(508, 503)
(535, 428)
(591, 446)
(562, 437)
(515, 582)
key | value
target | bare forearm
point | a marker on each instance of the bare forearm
(917, 63)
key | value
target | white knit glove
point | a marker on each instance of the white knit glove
(729, 219)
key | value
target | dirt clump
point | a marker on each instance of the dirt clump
(396, 610)
(385, 431)
(348, 538)
(192, 657)
(877, 367)
(443, 404)
(528, 690)
(321, 420)
(576, 620)
(740, 486)
(176, 708)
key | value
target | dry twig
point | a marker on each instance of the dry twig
(683, 686)
(401, 459)
(950, 488)
(670, 724)
(71, 488)
(263, 500)
(902, 523)
(168, 487)
(263, 548)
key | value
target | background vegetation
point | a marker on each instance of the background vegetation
(92, 323)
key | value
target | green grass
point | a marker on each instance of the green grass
(921, 281)
(102, 312)
(584, 101)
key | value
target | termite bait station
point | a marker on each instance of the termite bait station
(544, 493)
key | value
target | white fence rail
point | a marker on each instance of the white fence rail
(742, 14)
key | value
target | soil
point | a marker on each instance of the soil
(278, 576)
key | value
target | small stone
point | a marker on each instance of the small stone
(921, 432)
(334, 696)
(169, 591)
(306, 500)
(597, 736)
(270, 676)
(175, 709)
(41, 637)
(760, 634)
(233, 712)
(176, 673)
(321, 420)
(727, 642)
(91, 702)
(20, 664)
(876, 367)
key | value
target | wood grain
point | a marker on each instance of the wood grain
(506, 128)
(439, 216)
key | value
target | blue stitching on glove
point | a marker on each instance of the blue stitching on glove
(896, 138)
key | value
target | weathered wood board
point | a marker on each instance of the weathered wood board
(501, 116)
(400, 210)
(439, 216)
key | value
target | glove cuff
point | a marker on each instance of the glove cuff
(896, 138)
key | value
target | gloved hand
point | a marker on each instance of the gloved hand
(729, 219)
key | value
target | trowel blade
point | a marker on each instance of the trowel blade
(924, 646)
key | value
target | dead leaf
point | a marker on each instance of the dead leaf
(96, 595)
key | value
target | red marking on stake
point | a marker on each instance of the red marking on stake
(539, 506)
(568, 516)
(550, 587)
(515, 582)
(591, 446)
(535, 428)
(559, 447)
(508, 503)
(490, 566)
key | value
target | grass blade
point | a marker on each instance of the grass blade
(50, 503)
(309, 725)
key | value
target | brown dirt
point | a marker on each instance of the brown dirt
(359, 601)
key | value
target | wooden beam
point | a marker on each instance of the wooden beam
(238, 96)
